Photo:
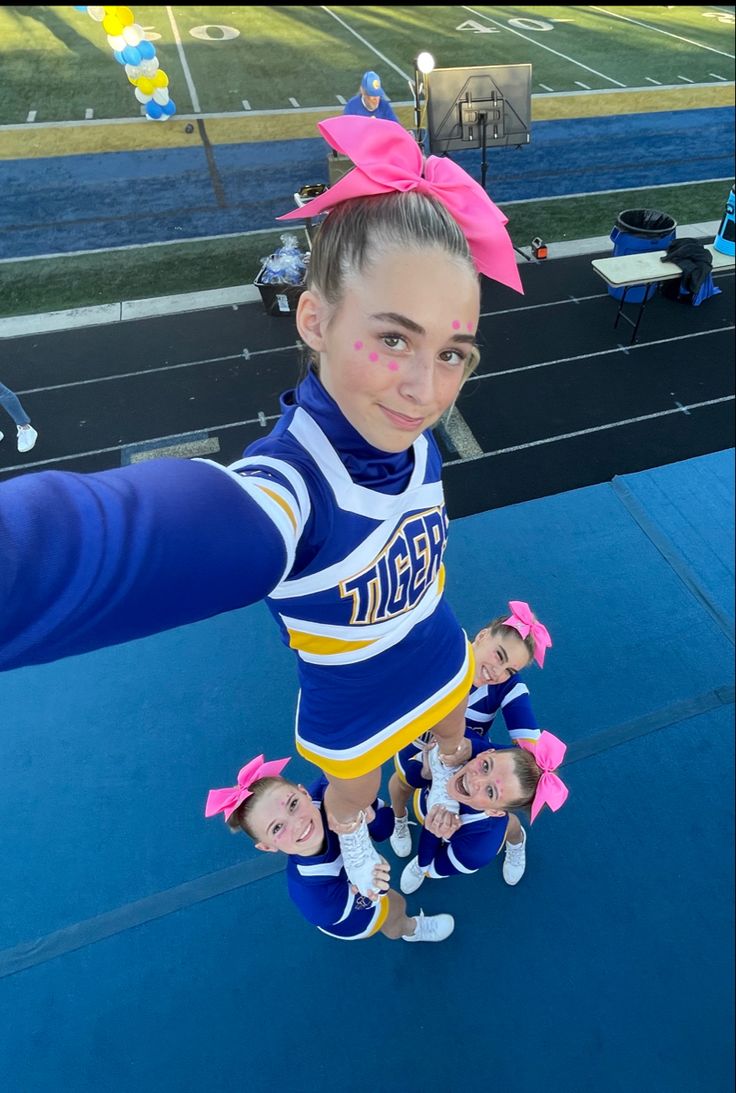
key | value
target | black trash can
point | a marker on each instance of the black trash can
(637, 231)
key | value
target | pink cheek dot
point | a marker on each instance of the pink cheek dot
(357, 345)
(373, 357)
(470, 327)
(393, 366)
(456, 325)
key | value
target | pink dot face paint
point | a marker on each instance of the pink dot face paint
(373, 357)
(357, 346)
(456, 325)
(393, 366)
(470, 327)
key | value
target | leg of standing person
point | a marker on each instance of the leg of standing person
(27, 435)
(414, 928)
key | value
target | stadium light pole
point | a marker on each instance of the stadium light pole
(423, 65)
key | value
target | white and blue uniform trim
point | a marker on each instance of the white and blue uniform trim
(510, 697)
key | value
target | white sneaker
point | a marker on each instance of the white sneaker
(514, 861)
(431, 927)
(27, 437)
(360, 857)
(412, 877)
(441, 775)
(401, 838)
(2, 436)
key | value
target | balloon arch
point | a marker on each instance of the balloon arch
(137, 55)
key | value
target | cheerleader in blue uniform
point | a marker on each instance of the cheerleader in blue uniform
(468, 833)
(337, 518)
(500, 650)
(283, 817)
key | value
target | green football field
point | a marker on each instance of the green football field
(56, 64)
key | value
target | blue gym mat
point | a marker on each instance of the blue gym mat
(145, 948)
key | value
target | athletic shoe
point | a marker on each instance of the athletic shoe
(441, 775)
(27, 437)
(412, 877)
(360, 857)
(431, 927)
(2, 435)
(401, 838)
(514, 861)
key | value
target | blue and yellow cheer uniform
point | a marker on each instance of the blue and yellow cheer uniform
(345, 543)
(475, 843)
(510, 697)
(320, 888)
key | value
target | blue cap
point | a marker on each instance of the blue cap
(371, 85)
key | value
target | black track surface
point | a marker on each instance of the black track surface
(552, 365)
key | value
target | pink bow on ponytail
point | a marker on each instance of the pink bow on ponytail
(387, 158)
(525, 623)
(548, 752)
(227, 800)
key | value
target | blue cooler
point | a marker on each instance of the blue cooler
(637, 231)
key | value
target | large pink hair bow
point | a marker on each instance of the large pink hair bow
(525, 622)
(227, 800)
(387, 158)
(548, 752)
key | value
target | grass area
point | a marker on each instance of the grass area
(55, 284)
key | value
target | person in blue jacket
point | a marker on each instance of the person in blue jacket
(371, 101)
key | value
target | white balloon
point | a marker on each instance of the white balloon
(134, 71)
(161, 95)
(116, 41)
(98, 14)
(141, 97)
(133, 34)
(149, 68)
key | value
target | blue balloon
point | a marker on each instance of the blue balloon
(132, 55)
(153, 110)
(169, 108)
(119, 57)
(146, 50)
(82, 8)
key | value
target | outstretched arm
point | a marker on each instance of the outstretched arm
(90, 560)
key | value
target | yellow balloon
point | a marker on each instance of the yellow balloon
(125, 15)
(112, 25)
(109, 11)
(132, 79)
(146, 84)
(160, 79)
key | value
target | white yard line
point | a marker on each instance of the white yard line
(657, 30)
(187, 74)
(539, 45)
(367, 44)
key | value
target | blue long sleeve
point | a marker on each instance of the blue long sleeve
(89, 560)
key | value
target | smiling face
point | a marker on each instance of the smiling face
(395, 352)
(488, 783)
(285, 818)
(498, 656)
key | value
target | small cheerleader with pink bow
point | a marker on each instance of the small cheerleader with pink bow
(466, 811)
(282, 816)
(501, 650)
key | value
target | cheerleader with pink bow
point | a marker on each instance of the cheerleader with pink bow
(336, 518)
(501, 650)
(281, 816)
(474, 818)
